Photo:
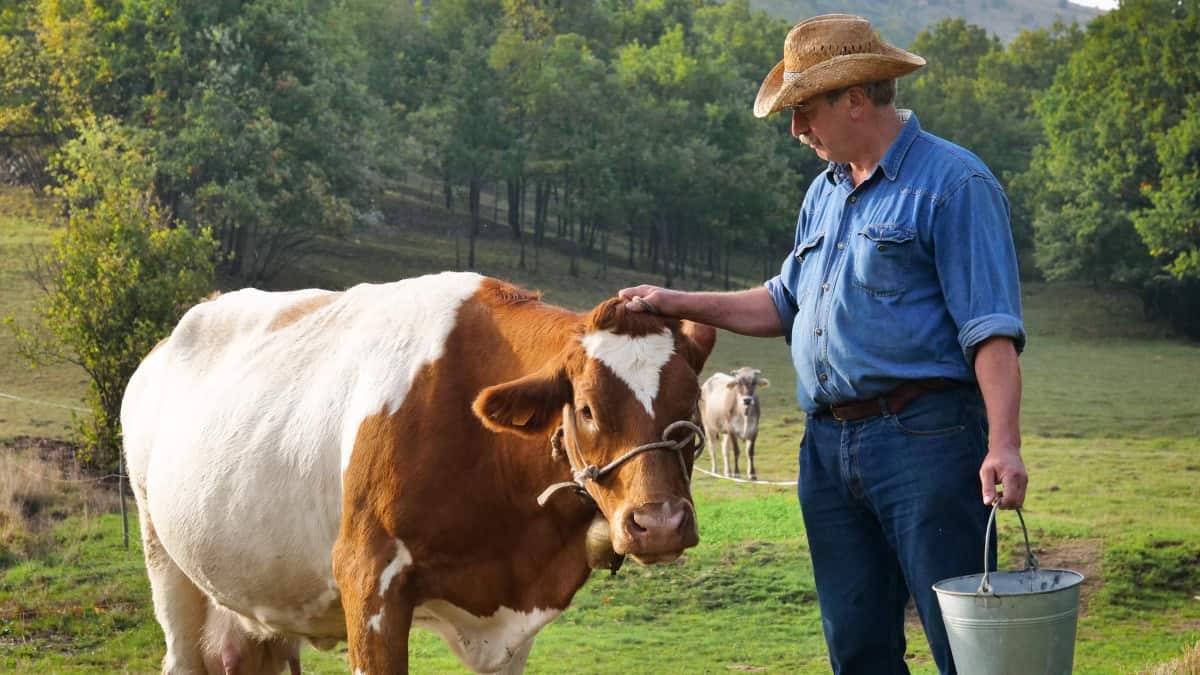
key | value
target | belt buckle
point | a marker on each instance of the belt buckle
(833, 413)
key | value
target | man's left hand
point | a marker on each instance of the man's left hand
(1005, 468)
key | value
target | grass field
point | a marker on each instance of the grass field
(1112, 442)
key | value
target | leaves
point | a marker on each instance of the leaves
(118, 276)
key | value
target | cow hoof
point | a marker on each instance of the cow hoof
(753, 477)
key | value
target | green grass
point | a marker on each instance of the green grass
(23, 230)
(1112, 442)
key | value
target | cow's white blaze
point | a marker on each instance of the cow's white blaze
(638, 361)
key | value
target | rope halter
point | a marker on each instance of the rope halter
(584, 473)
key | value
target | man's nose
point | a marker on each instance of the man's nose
(799, 122)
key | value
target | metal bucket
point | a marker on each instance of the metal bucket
(1011, 623)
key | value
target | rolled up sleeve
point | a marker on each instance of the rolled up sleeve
(977, 264)
(785, 304)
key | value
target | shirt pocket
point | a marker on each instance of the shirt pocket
(804, 249)
(883, 258)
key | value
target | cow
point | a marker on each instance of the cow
(730, 410)
(324, 466)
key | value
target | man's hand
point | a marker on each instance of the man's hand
(652, 299)
(1004, 467)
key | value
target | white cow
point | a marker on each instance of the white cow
(729, 406)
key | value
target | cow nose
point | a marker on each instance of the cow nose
(660, 530)
(748, 401)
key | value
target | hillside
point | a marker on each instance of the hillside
(899, 22)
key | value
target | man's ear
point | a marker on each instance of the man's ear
(527, 406)
(698, 343)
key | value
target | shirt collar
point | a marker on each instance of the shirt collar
(890, 164)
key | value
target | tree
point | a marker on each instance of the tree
(1109, 173)
(117, 278)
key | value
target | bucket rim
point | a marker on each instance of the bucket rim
(976, 594)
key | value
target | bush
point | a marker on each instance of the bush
(117, 277)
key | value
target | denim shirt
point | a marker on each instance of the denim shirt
(901, 277)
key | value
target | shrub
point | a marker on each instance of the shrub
(117, 277)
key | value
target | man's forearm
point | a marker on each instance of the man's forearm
(999, 375)
(749, 312)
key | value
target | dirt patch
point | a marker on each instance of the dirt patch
(1085, 556)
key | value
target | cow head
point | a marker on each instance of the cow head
(622, 380)
(745, 382)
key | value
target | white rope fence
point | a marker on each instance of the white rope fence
(743, 480)
(45, 403)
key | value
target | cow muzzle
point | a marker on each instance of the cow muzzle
(656, 532)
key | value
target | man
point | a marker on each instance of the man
(900, 300)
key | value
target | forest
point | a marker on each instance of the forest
(622, 128)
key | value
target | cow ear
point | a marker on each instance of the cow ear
(731, 384)
(763, 383)
(699, 342)
(528, 406)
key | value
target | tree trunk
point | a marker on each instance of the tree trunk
(728, 255)
(665, 247)
(516, 188)
(541, 200)
(473, 200)
(604, 253)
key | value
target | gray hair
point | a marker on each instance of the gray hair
(880, 92)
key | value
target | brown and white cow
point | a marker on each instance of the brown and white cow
(730, 409)
(330, 466)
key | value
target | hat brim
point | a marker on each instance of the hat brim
(834, 73)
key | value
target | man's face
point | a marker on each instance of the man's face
(814, 123)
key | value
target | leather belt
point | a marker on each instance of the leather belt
(892, 402)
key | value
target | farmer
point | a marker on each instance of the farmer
(901, 304)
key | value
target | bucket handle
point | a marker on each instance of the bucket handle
(1031, 563)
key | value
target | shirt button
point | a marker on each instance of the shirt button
(820, 332)
(823, 378)
(841, 245)
(853, 199)
(825, 286)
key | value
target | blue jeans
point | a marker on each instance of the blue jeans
(892, 505)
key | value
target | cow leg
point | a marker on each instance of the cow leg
(734, 445)
(750, 458)
(179, 606)
(712, 435)
(726, 440)
(376, 598)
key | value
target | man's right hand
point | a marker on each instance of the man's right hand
(653, 299)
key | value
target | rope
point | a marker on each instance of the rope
(45, 403)
(590, 473)
(743, 480)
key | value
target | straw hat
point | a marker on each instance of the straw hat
(830, 52)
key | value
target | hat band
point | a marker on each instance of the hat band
(790, 76)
